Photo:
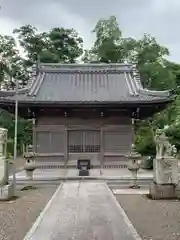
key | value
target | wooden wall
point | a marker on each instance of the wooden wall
(51, 138)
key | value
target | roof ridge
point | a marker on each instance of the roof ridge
(83, 71)
(34, 84)
(84, 64)
(128, 84)
(131, 81)
(137, 77)
(84, 67)
(38, 86)
(163, 93)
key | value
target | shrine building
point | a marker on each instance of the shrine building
(84, 110)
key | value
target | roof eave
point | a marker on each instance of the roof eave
(164, 101)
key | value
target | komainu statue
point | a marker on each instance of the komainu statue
(163, 147)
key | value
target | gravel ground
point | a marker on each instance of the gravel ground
(17, 216)
(18, 164)
(156, 220)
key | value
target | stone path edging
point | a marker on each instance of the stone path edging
(126, 219)
(39, 219)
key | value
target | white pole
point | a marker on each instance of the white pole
(15, 139)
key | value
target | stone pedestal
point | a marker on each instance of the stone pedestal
(30, 165)
(29, 169)
(133, 183)
(160, 191)
(165, 178)
(166, 170)
(6, 192)
(29, 174)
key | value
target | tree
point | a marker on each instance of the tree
(65, 44)
(149, 58)
(108, 38)
(32, 42)
(8, 58)
(109, 46)
(57, 45)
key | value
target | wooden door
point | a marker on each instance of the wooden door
(83, 141)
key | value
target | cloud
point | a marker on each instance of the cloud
(160, 18)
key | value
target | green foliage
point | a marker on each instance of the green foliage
(147, 163)
(57, 45)
(24, 135)
(145, 141)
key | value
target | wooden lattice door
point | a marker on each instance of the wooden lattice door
(83, 141)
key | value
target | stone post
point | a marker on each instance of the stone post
(3, 166)
(6, 189)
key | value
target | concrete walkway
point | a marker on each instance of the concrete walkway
(83, 211)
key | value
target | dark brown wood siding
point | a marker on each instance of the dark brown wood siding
(101, 138)
(117, 139)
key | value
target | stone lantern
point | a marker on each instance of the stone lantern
(30, 165)
(133, 166)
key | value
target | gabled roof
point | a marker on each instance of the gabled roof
(88, 83)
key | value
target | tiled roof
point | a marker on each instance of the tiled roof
(89, 83)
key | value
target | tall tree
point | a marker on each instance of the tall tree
(57, 45)
(10, 63)
(32, 42)
(65, 44)
(109, 45)
(149, 57)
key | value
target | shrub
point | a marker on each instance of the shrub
(144, 141)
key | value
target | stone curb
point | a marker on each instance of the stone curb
(39, 219)
(85, 178)
(130, 226)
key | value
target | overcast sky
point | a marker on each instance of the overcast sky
(160, 18)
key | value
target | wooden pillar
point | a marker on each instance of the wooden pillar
(102, 146)
(34, 135)
(133, 130)
(65, 146)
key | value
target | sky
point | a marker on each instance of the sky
(160, 18)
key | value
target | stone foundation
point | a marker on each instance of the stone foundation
(160, 191)
(6, 192)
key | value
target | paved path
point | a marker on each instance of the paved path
(83, 211)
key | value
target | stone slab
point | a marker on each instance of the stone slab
(158, 191)
(130, 191)
(83, 211)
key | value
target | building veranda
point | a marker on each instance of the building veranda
(84, 110)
